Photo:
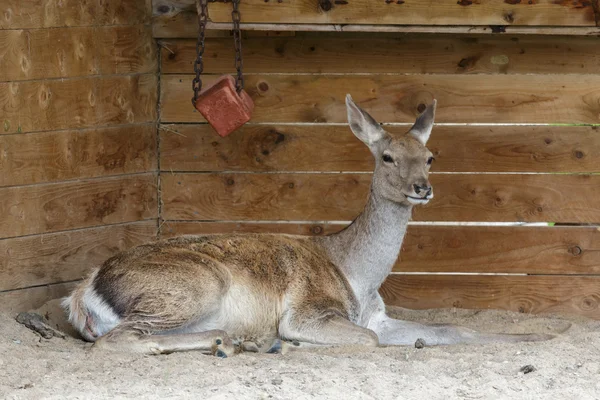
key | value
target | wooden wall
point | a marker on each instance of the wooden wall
(515, 143)
(78, 145)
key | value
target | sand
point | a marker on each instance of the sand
(567, 367)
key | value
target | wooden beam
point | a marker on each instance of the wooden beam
(77, 103)
(382, 54)
(28, 210)
(197, 148)
(569, 295)
(410, 12)
(62, 155)
(185, 25)
(449, 249)
(340, 197)
(22, 14)
(66, 256)
(547, 99)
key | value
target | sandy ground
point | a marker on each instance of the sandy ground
(565, 368)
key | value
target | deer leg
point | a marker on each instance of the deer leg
(126, 339)
(396, 332)
(321, 329)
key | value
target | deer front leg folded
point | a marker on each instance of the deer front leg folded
(316, 328)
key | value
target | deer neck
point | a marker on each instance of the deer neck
(368, 248)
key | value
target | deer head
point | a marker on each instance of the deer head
(402, 162)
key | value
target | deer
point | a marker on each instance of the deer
(221, 294)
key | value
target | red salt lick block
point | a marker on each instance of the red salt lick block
(223, 107)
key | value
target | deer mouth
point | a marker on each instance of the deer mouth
(418, 200)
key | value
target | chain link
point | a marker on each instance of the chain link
(237, 38)
(199, 63)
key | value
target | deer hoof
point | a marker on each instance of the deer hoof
(276, 347)
(220, 354)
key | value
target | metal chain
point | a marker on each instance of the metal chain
(237, 38)
(199, 64)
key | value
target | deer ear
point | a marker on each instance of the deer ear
(362, 124)
(422, 127)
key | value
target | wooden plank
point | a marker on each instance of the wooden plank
(27, 210)
(340, 197)
(63, 155)
(177, 228)
(66, 256)
(334, 148)
(47, 53)
(374, 53)
(569, 295)
(410, 12)
(472, 249)
(185, 25)
(77, 103)
(29, 299)
(73, 52)
(497, 249)
(20, 14)
(395, 98)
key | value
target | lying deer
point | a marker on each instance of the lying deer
(257, 292)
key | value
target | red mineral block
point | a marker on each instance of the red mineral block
(223, 107)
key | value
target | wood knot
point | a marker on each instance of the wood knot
(230, 181)
(421, 107)
(547, 140)
(579, 154)
(509, 17)
(290, 185)
(589, 303)
(316, 230)
(263, 86)
(325, 5)
(575, 251)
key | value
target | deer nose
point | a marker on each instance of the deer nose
(422, 189)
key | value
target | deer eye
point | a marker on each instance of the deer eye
(387, 158)
(430, 160)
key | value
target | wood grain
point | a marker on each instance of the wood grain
(77, 103)
(544, 99)
(60, 257)
(578, 295)
(340, 197)
(73, 52)
(380, 53)
(15, 301)
(334, 148)
(20, 14)
(27, 210)
(472, 249)
(410, 12)
(126, 50)
(63, 155)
